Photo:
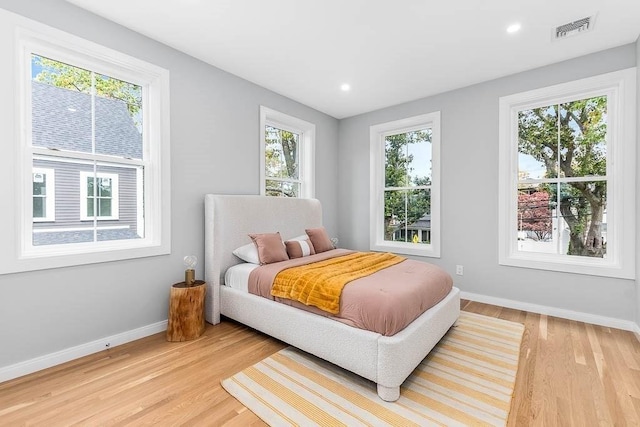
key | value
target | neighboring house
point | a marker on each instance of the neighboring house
(417, 232)
(64, 202)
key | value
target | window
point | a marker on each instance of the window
(97, 121)
(99, 196)
(405, 186)
(44, 195)
(287, 155)
(563, 204)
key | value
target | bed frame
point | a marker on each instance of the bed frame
(387, 361)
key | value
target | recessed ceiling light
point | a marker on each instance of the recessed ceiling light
(513, 28)
(345, 87)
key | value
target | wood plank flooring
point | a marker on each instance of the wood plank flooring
(570, 373)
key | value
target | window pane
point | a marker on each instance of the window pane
(104, 187)
(408, 159)
(61, 105)
(90, 204)
(281, 153)
(419, 157)
(408, 215)
(538, 143)
(282, 188)
(39, 207)
(118, 109)
(583, 208)
(583, 131)
(71, 175)
(104, 207)
(571, 222)
(90, 186)
(537, 219)
(39, 184)
(62, 110)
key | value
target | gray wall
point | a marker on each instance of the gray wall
(469, 168)
(214, 148)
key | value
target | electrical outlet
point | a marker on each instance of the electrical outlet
(459, 270)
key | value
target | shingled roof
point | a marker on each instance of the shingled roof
(62, 120)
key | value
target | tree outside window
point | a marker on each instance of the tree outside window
(405, 186)
(282, 162)
(287, 151)
(407, 194)
(562, 184)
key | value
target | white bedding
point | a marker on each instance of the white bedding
(237, 276)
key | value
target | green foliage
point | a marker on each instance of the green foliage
(570, 139)
(281, 161)
(63, 75)
(404, 206)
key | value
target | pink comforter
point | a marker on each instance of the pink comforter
(384, 302)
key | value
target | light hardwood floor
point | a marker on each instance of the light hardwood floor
(570, 373)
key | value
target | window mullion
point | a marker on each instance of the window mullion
(559, 216)
(93, 151)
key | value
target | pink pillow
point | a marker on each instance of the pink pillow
(270, 247)
(320, 239)
(299, 248)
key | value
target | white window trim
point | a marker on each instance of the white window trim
(307, 148)
(115, 196)
(620, 261)
(17, 252)
(50, 197)
(377, 159)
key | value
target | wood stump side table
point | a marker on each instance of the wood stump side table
(186, 311)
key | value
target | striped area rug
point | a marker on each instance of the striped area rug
(467, 379)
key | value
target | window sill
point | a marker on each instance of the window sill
(406, 249)
(584, 265)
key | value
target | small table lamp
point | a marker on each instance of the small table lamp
(190, 262)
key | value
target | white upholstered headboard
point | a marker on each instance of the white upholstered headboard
(228, 221)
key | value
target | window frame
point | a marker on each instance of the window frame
(50, 196)
(84, 196)
(18, 253)
(619, 87)
(377, 135)
(306, 149)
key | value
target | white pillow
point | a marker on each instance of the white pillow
(248, 253)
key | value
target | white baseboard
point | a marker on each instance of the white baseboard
(48, 360)
(594, 319)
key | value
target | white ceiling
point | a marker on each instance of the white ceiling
(388, 51)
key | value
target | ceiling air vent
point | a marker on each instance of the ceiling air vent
(573, 28)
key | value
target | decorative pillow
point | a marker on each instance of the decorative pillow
(320, 239)
(270, 247)
(298, 248)
(248, 253)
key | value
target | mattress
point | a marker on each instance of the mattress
(384, 302)
(237, 277)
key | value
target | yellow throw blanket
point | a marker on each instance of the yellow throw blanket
(320, 284)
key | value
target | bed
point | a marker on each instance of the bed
(385, 360)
